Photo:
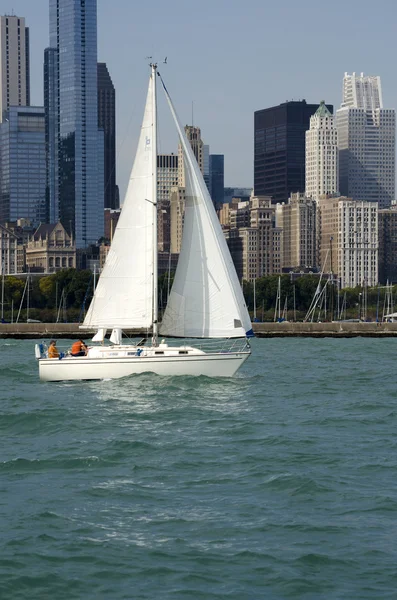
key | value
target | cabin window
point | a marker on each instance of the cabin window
(158, 352)
(183, 352)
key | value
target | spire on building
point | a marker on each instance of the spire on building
(322, 110)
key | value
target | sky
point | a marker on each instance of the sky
(229, 58)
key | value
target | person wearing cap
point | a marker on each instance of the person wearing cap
(79, 348)
(53, 350)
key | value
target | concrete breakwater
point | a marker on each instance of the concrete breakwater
(262, 330)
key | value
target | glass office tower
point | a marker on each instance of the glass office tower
(22, 165)
(72, 117)
(107, 122)
(217, 178)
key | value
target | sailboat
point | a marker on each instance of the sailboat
(205, 301)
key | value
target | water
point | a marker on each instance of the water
(279, 483)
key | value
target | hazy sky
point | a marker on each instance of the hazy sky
(231, 58)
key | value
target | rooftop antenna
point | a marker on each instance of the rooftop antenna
(192, 113)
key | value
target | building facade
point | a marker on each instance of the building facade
(321, 171)
(51, 111)
(23, 165)
(254, 240)
(193, 135)
(217, 178)
(177, 212)
(366, 141)
(348, 240)
(111, 220)
(107, 122)
(297, 221)
(279, 149)
(167, 178)
(50, 249)
(230, 192)
(14, 63)
(388, 245)
(8, 251)
(78, 144)
(206, 166)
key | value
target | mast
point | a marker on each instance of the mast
(154, 183)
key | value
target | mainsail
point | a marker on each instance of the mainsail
(124, 295)
(206, 299)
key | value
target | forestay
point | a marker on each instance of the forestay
(123, 297)
(206, 299)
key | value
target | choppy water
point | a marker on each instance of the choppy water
(278, 483)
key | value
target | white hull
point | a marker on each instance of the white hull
(195, 363)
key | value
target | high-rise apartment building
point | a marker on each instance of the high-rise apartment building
(217, 178)
(297, 220)
(78, 147)
(253, 239)
(23, 165)
(167, 178)
(348, 239)
(107, 122)
(366, 141)
(14, 63)
(279, 149)
(321, 154)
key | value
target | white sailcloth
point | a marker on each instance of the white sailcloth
(123, 296)
(206, 299)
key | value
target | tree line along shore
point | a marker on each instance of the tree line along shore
(66, 295)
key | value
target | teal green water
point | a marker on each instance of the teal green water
(279, 483)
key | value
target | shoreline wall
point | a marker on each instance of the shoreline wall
(262, 330)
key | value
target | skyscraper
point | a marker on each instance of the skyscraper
(193, 134)
(79, 144)
(279, 149)
(297, 220)
(217, 178)
(366, 141)
(107, 122)
(51, 110)
(206, 166)
(350, 228)
(14, 63)
(23, 165)
(321, 154)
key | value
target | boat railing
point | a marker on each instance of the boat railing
(221, 345)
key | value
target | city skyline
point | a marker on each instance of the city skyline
(235, 91)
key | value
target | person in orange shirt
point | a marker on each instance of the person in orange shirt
(79, 348)
(53, 350)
